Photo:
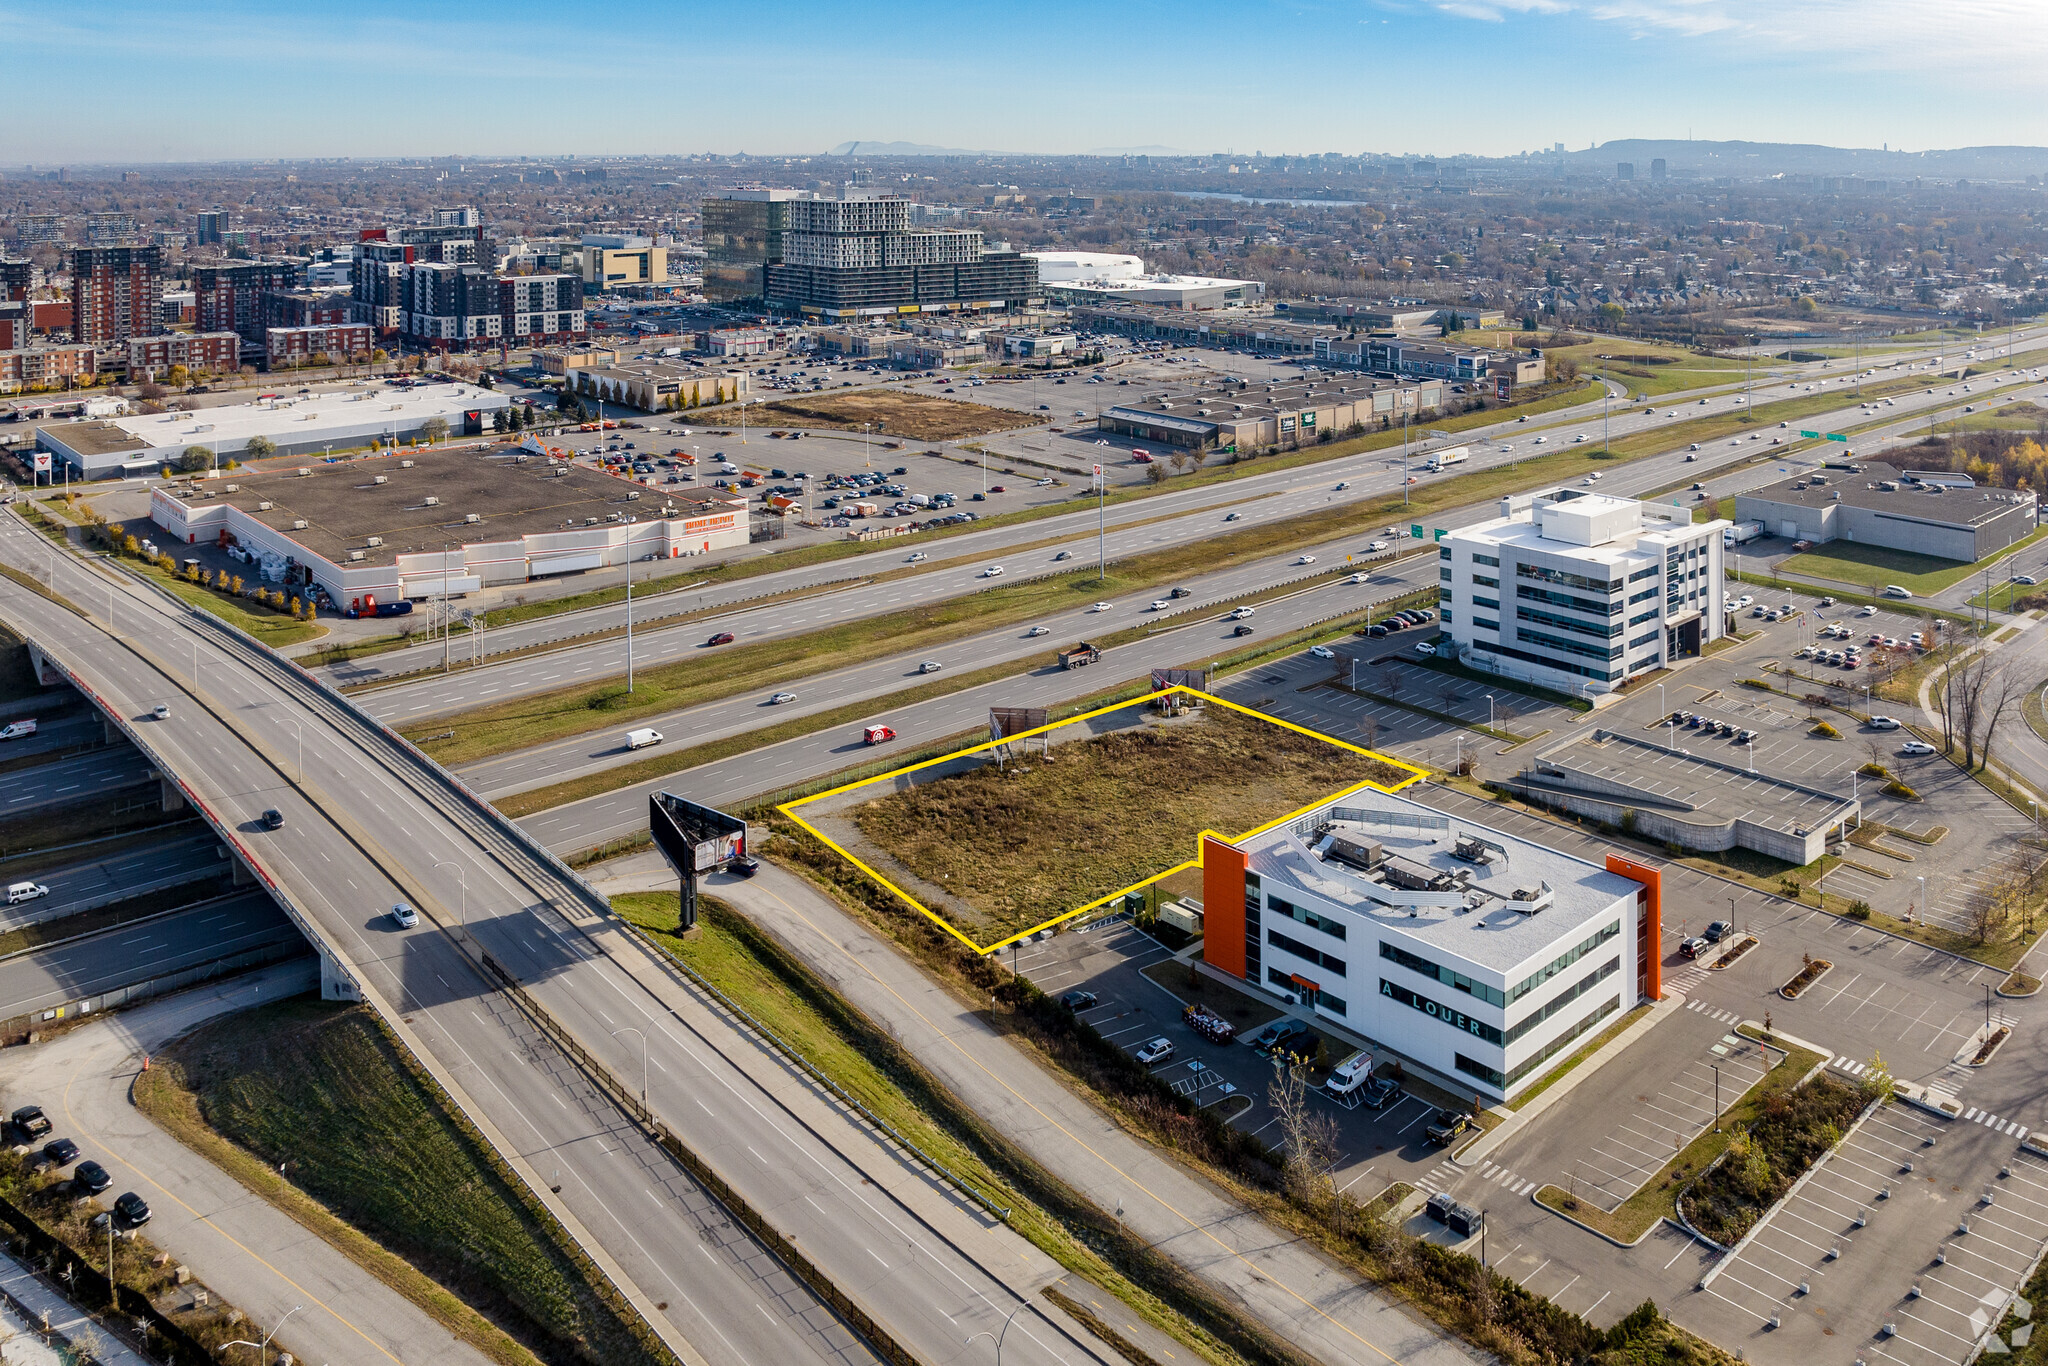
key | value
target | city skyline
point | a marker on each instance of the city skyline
(1441, 77)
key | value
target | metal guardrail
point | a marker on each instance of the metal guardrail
(627, 1100)
(818, 1075)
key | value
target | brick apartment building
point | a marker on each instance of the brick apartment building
(306, 308)
(16, 279)
(115, 293)
(229, 298)
(151, 357)
(15, 319)
(45, 366)
(285, 346)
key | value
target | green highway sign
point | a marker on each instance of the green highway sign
(1825, 436)
(1837, 436)
(1814, 435)
(1415, 530)
(1441, 533)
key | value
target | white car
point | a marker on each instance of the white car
(781, 698)
(930, 666)
(1158, 1050)
(1917, 748)
(1241, 613)
(1306, 559)
(1538, 441)
(404, 916)
(994, 571)
(1341, 487)
(1867, 612)
(916, 556)
(1100, 607)
(1322, 652)
(2025, 578)
(1159, 605)
(1375, 547)
(1744, 601)
(1579, 438)
(1356, 578)
(1039, 631)
(1884, 723)
(1423, 647)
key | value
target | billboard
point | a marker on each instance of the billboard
(42, 462)
(1163, 679)
(695, 838)
(1007, 721)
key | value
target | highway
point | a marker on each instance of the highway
(77, 779)
(960, 562)
(372, 828)
(138, 864)
(51, 976)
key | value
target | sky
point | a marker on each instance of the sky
(229, 79)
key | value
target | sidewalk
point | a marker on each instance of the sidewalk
(66, 1321)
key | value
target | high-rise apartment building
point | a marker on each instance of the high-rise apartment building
(384, 256)
(457, 218)
(110, 229)
(540, 310)
(16, 278)
(115, 293)
(451, 305)
(858, 256)
(1658, 170)
(212, 225)
(742, 238)
(229, 298)
(40, 229)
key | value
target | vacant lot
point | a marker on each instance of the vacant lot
(1026, 843)
(324, 1088)
(916, 416)
(1872, 566)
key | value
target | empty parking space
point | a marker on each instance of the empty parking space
(1649, 1129)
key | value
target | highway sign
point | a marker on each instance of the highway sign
(1825, 436)
(1415, 530)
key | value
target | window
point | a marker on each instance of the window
(1490, 604)
(1486, 560)
(1446, 615)
(1544, 595)
(1456, 1019)
(1646, 638)
(1443, 573)
(1415, 962)
(1307, 951)
(1443, 552)
(1472, 1067)
(1561, 962)
(1566, 580)
(1647, 595)
(1333, 928)
(1578, 989)
(1642, 574)
(1484, 582)
(1481, 623)
(1572, 624)
(1642, 617)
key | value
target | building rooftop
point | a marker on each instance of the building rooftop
(344, 505)
(1653, 775)
(1243, 402)
(1587, 526)
(231, 425)
(1910, 495)
(1483, 895)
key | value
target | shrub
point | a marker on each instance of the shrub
(1895, 788)
(1825, 730)
(1792, 1130)
(1756, 683)
(1859, 910)
(1874, 769)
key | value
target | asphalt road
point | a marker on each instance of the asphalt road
(63, 781)
(144, 861)
(919, 1259)
(52, 976)
(245, 1249)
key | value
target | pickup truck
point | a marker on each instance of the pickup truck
(1447, 1126)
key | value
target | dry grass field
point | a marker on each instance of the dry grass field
(916, 416)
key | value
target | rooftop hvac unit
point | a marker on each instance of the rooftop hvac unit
(632, 497)
(374, 540)
(264, 506)
(232, 488)
(299, 525)
(472, 517)
(380, 479)
(355, 555)
(559, 471)
(433, 502)
(303, 471)
(405, 464)
(590, 521)
(1362, 854)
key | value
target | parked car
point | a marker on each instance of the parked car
(1157, 1051)
(131, 1209)
(1717, 931)
(1078, 1000)
(1917, 748)
(1424, 648)
(60, 1152)
(1379, 1090)
(1277, 1033)
(1322, 652)
(90, 1178)
(1447, 1126)
(30, 1122)
(1693, 947)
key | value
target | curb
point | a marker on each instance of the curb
(1793, 1190)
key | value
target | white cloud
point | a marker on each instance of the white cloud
(1892, 35)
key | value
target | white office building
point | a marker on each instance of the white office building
(1579, 592)
(1466, 952)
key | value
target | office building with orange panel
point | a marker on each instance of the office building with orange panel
(1476, 957)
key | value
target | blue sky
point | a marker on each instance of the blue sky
(215, 79)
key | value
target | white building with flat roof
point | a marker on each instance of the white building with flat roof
(1103, 277)
(1580, 592)
(1465, 951)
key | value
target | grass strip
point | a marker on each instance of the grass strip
(755, 969)
(1658, 1198)
(1096, 1324)
(1857, 563)
(326, 1091)
(1599, 1041)
(275, 629)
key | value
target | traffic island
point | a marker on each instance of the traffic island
(1815, 969)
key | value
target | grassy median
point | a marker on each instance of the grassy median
(376, 1163)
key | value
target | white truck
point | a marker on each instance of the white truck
(1741, 532)
(1449, 456)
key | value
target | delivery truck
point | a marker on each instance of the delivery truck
(1449, 456)
(1741, 532)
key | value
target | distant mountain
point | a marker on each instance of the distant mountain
(900, 149)
(1150, 151)
(1709, 159)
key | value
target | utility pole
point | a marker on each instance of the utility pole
(1101, 555)
(447, 644)
(629, 611)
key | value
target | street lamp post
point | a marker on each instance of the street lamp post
(301, 735)
(463, 879)
(630, 1029)
(263, 1347)
(629, 611)
(1489, 696)
(1717, 1097)
(997, 1338)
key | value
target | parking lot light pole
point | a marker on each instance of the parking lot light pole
(1717, 1096)
(464, 881)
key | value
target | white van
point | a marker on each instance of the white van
(18, 892)
(641, 739)
(15, 730)
(1348, 1076)
(1892, 590)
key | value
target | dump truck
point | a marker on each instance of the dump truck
(1081, 654)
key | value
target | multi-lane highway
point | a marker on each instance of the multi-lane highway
(70, 780)
(78, 968)
(370, 829)
(140, 863)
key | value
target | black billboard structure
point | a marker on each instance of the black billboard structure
(1004, 722)
(695, 839)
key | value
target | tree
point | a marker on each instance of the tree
(1310, 1136)
(258, 447)
(434, 429)
(195, 459)
(1156, 472)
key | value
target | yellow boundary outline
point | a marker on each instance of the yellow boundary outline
(789, 809)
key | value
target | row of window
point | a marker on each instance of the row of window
(1646, 638)
(1323, 999)
(1485, 581)
(1647, 595)
(1565, 579)
(1561, 962)
(1641, 574)
(1570, 647)
(1333, 928)
(1490, 604)
(1598, 609)
(1592, 979)
(1583, 670)
(1572, 624)
(1639, 618)
(1486, 560)
(1415, 962)
(1502, 1081)
(1455, 1018)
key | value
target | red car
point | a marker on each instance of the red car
(722, 638)
(997, 488)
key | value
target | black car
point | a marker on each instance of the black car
(1718, 931)
(60, 1152)
(1242, 630)
(901, 469)
(1078, 1000)
(91, 1178)
(744, 866)
(1446, 1127)
(131, 1208)
(1376, 629)
(273, 819)
(31, 1122)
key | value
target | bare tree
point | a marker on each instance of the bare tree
(1310, 1135)
(1370, 728)
(1974, 696)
